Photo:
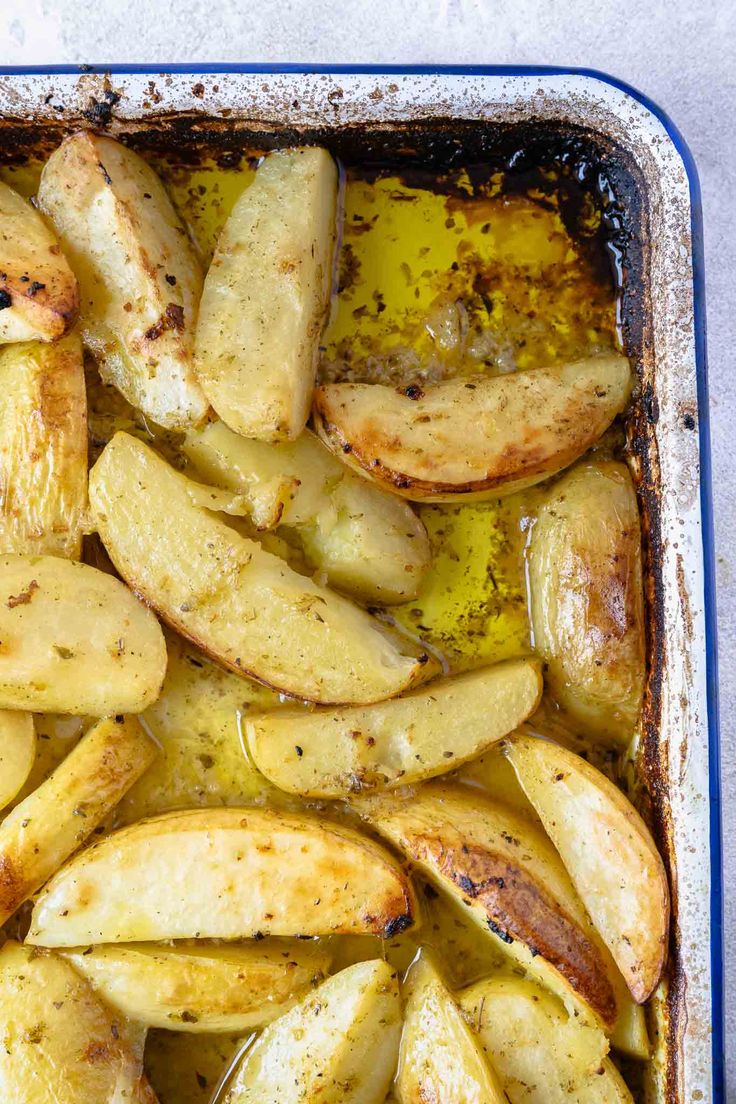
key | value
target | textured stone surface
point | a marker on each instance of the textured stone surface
(682, 54)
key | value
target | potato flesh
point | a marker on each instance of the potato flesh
(332, 753)
(17, 752)
(366, 541)
(266, 296)
(339, 1046)
(34, 275)
(476, 438)
(542, 1054)
(139, 278)
(60, 620)
(241, 604)
(43, 448)
(202, 989)
(587, 600)
(609, 854)
(229, 874)
(60, 1043)
(439, 1059)
(53, 821)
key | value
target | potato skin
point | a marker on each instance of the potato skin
(38, 290)
(587, 600)
(473, 438)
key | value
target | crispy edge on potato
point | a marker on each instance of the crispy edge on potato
(43, 448)
(240, 604)
(60, 1043)
(482, 437)
(609, 853)
(57, 818)
(228, 874)
(139, 277)
(266, 296)
(430, 731)
(17, 752)
(339, 1046)
(39, 297)
(587, 601)
(75, 640)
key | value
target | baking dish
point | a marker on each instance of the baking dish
(438, 112)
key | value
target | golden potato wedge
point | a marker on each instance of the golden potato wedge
(482, 437)
(510, 879)
(221, 987)
(587, 602)
(75, 640)
(224, 874)
(60, 1043)
(365, 540)
(336, 752)
(17, 752)
(43, 448)
(240, 604)
(339, 1046)
(439, 1058)
(266, 296)
(52, 822)
(543, 1054)
(139, 277)
(39, 297)
(608, 851)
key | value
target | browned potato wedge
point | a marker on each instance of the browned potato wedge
(239, 603)
(543, 1054)
(266, 296)
(220, 987)
(224, 874)
(75, 640)
(439, 1058)
(17, 752)
(39, 297)
(336, 752)
(43, 448)
(609, 854)
(482, 437)
(511, 881)
(139, 278)
(365, 540)
(339, 1046)
(60, 1043)
(586, 597)
(52, 822)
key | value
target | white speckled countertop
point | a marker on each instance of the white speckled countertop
(681, 54)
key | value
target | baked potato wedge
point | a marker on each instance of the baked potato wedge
(51, 823)
(473, 438)
(339, 1046)
(338, 752)
(224, 874)
(39, 297)
(43, 448)
(510, 880)
(366, 541)
(75, 640)
(60, 1043)
(587, 602)
(439, 1058)
(266, 296)
(216, 988)
(17, 752)
(543, 1054)
(242, 605)
(609, 853)
(139, 277)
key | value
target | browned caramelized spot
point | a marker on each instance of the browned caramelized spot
(24, 598)
(97, 1053)
(171, 319)
(11, 885)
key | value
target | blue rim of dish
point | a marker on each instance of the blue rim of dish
(701, 362)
